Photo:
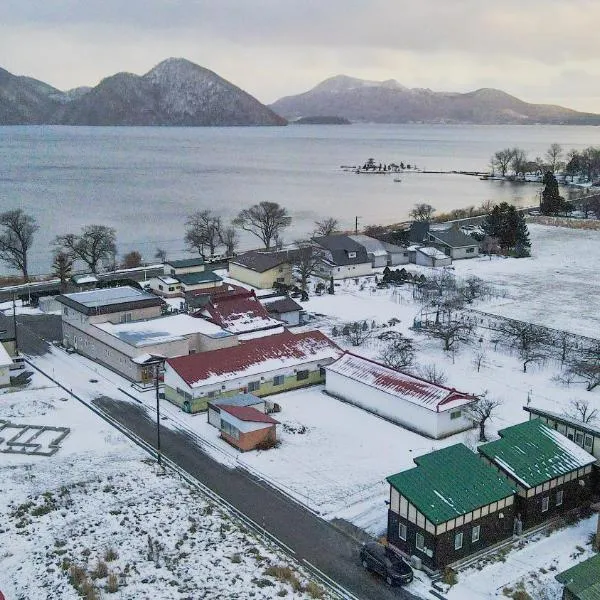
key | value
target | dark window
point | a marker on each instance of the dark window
(458, 541)
(302, 375)
(402, 531)
(253, 386)
(545, 503)
(470, 250)
(229, 429)
(322, 371)
(420, 542)
(278, 380)
(559, 497)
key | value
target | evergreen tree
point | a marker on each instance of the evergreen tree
(508, 226)
(552, 201)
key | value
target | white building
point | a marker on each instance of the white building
(342, 257)
(381, 253)
(5, 364)
(428, 256)
(421, 406)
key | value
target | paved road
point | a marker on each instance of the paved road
(311, 538)
(34, 332)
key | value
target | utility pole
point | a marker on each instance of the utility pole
(15, 324)
(156, 375)
(355, 225)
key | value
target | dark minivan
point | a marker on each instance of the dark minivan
(384, 561)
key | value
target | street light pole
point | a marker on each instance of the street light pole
(158, 453)
(15, 324)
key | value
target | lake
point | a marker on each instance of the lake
(144, 181)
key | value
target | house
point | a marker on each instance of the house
(117, 326)
(551, 473)
(184, 266)
(418, 232)
(198, 299)
(449, 506)
(263, 365)
(342, 257)
(238, 312)
(284, 309)
(454, 243)
(246, 428)
(428, 256)
(585, 435)
(177, 284)
(262, 269)
(581, 582)
(205, 280)
(166, 286)
(5, 364)
(411, 402)
(249, 400)
(382, 254)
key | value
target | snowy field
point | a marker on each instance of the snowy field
(96, 516)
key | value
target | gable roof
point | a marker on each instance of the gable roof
(184, 263)
(449, 483)
(239, 312)
(371, 245)
(406, 387)
(532, 453)
(196, 278)
(583, 580)
(247, 413)
(418, 232)
(432, 252)
(339, 246)
(253, 357)
(575, 423)
(454, 238)
(280, 305)
(263, 261)
(109, 300)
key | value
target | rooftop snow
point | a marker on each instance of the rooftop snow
(110, 296)
(261, 355)
(533, 453)
(161, 330)
(432, 252)
(407, 387)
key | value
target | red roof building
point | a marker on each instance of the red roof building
(247, 428)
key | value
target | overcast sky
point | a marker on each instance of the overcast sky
(539, 50)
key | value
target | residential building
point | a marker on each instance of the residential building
(382, 254)
(200, 298)
(454, 243)
(551, 473)
(262, 269)
(430, 409)
(262, 366)
(449, 506)
(121, 327)
(184, 266)
(284, 309)
(246, 428)
(238, 312)
(183, 276)
(249, 400)
(342, 257)
(428, 256)
(581, 582)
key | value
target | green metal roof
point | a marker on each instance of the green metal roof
(195, 278)
(183, 263)
(449, 483)
(532, 453)
(583, 580)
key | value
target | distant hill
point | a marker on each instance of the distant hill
(323, 120)
(390, 102)
(175, 92)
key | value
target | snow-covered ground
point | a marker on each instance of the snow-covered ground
(98, 513)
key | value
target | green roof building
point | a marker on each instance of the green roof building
(582, 582)
(451, 505)
(552, 474)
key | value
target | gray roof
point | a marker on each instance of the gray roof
(186, 262)
(340, 246)
(280, 305)
(418, 232)
(453, 238)
(239, 400)
(109, 300)
(263, 261)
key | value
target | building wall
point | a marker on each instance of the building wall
(167, 291)
(428, 261)
(459, 253)
(348, 271)
(398, 258)
(249, 441)
(205, 285)
(10, 346)
(292, 318)
(261, 280)
(197, 398)
(168, 270)
(73, 317)
(378, 261)
(406, 414)
(4, 375)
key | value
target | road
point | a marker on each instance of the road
(323, 545)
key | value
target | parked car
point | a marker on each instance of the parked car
(385, 562)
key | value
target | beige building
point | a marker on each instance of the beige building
(262, 270)
(122, 328)
(181, 276)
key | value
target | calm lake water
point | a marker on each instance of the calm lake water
(145, 181)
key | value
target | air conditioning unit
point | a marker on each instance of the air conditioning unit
(416, 562)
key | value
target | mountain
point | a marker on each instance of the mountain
(176, 92)
(391, 102)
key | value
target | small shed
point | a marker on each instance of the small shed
(246, 428)
(214, 406)
(283, 308)
(428, 256)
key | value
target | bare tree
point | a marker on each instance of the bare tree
(472, 288)
(501, 160)
(450, 332)
(202, 229)
(161, 254)
(566, 344)
(554, 156)
(587, 367)
(16, 238)
(230, 239)
(519, 161)
(306, 260)
(531, 354)
(265, 220)
(356, 333)
(422, 212)
(398, 353)
(526, 338)
(431, 372)
(326, 226)
(481, 411)
(487, 206)
(131, 260)
(96, 243)
(582, 411)
(62, 267)
(479, 359)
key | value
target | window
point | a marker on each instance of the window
(171, 288)
(475, 532)
(545, 503)
(470, 250)
(301, 375)
(253, 386)
(280, 269)
(125, 318)
(281, 280)
(559, 497)
(402, 531)
(229, 429)
(160, 287)
(322, 371)
(211, 394)
(351, 254)
(420, 542)
(455, 414)
(458, 541)
(278, 379)
(65, 311)
(579, 438)
(588, 441)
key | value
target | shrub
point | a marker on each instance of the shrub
(101, 570)
(449, 577)
(112, 583)
(314, 590)
(77, 576)
(236, 558)
(267, 444)
(110, 554)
